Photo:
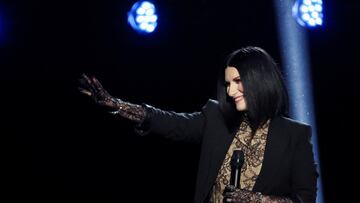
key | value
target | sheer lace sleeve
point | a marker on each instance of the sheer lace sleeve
(130, 111)
(91, 87)
(274, 199)
(232, 195)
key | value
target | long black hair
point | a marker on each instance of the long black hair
(264, 89)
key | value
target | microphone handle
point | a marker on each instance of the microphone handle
(237, 178)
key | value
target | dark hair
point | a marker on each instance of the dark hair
(264, 89)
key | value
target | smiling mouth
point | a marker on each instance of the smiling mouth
(239, 98)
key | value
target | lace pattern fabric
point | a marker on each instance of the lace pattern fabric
(93, 88)
(253, 149)
(130, 111)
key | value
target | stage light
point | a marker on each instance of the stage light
(308, 13)
(297, 68)
(142, 17)
(2, 27)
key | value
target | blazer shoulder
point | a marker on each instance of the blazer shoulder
(291, 122)
(212, 102)
(212, 109)
(293, 127)
(211, 105)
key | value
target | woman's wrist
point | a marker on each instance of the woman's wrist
(130, 111)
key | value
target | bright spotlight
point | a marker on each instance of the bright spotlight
(142, 17)
(308, 13)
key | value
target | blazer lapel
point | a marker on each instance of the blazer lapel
(219, 152)
(220, 145)
(274, 151)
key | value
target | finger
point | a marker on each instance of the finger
(229, 188)
(89, 83)
(83, 91)
(229, 194)
(230, 200)
(86, 82)
(96, 83)
(86, 78)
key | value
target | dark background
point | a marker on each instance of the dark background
(60, 147)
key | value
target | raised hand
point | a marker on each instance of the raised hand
(93, 88)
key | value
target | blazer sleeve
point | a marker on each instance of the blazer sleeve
(304, 174)
(176, 126)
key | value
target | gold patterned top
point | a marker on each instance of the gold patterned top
(253, 157)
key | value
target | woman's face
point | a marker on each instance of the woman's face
(234, 87)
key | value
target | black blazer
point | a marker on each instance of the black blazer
(288, 167)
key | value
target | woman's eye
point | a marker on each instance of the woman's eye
(237, 80)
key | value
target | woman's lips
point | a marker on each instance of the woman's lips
(239, 98)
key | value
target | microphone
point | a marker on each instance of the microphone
(237, 160)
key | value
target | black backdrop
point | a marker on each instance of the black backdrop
(59, 147)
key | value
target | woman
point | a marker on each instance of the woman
(249, 116)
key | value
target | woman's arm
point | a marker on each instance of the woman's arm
(177, 126)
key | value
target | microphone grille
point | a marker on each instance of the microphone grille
(237, 158)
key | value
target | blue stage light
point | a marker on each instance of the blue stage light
(297, 68)
(142, 17)
(2, 27)
(308, 13)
